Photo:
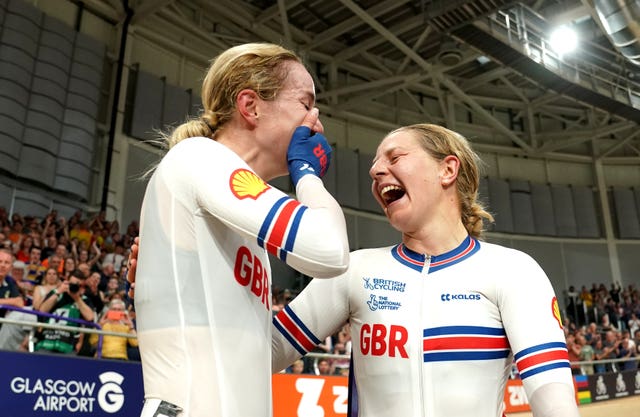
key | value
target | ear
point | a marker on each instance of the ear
(449, 170)
(246, 103)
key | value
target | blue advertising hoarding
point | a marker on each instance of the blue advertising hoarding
(33, 384)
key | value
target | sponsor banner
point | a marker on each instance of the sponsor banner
(614, 385)
(515, 398)
(309, 395)
(34, 385)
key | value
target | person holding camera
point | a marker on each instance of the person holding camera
(116, 319)
(67, 300)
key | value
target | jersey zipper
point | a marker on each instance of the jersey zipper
(423, 401)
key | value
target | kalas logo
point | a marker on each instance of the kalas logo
(455, 297)
(110, 395)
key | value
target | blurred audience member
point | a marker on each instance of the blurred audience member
(116, 319)
(50, 282)
(9, 291)
(65, 301)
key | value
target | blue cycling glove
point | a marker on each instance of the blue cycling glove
(308, 153)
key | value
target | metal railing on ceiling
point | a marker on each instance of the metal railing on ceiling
(591, 65)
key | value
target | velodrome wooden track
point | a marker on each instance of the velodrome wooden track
(627, 407)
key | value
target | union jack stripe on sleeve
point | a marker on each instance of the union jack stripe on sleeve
(280, 227)
(542, 358)
(294, 330)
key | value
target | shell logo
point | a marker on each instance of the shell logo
(555, 309)
(246, 184)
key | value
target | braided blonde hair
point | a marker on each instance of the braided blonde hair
(255, 66)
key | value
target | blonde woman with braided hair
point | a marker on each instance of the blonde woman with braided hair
(436, 320)
(208, 222)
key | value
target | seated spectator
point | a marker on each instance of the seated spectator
(633, 324)
(15, 336)
(60, 254)
(34, 268)
(116, 319)
(18, 274)
(323, 366)
(50, 282)
(574, 353)
(587, 354)
(23, 253)
(49, 248)
(606, 325)
(598, 353)
(92, 291)
(116, 257)
(105, 275)
(67, 300)
(296, 368)
(69, 266)
(9, 291)
(627, 350)
(610, 349)
(16, 233)
(84, 256)
(113, 287)
(81, 232)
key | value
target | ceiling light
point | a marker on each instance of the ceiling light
(563, 40)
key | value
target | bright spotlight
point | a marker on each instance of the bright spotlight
(563, 40)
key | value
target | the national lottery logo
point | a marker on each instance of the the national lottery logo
(373, 284)
(382, 303)
(72, 396)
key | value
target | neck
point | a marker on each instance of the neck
(261, 160)
(437, 240)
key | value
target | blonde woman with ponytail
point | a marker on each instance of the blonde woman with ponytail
(209, 220)
(436, 320)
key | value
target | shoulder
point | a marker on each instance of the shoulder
(370, 252)
(505, 253)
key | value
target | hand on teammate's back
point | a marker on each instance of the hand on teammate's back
(132, 262)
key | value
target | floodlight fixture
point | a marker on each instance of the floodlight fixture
(563, 40)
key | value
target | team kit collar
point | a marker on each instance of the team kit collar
(417, 261)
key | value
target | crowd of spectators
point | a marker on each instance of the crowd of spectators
(76, 268)
(72, 271)
(602, 324)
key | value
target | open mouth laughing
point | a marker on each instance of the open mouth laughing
(391, 193)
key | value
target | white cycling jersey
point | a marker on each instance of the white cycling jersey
(434, 336)
(203, 283)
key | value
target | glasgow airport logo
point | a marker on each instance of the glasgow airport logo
(71, 395)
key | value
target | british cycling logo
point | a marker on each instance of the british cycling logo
(72, 396)
(383, 284)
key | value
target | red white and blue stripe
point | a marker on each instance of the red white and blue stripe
(294, 330)
(415, 260)
(542, 358)
(464, 343)
(280, 227)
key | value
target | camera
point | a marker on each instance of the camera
(74, 288)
